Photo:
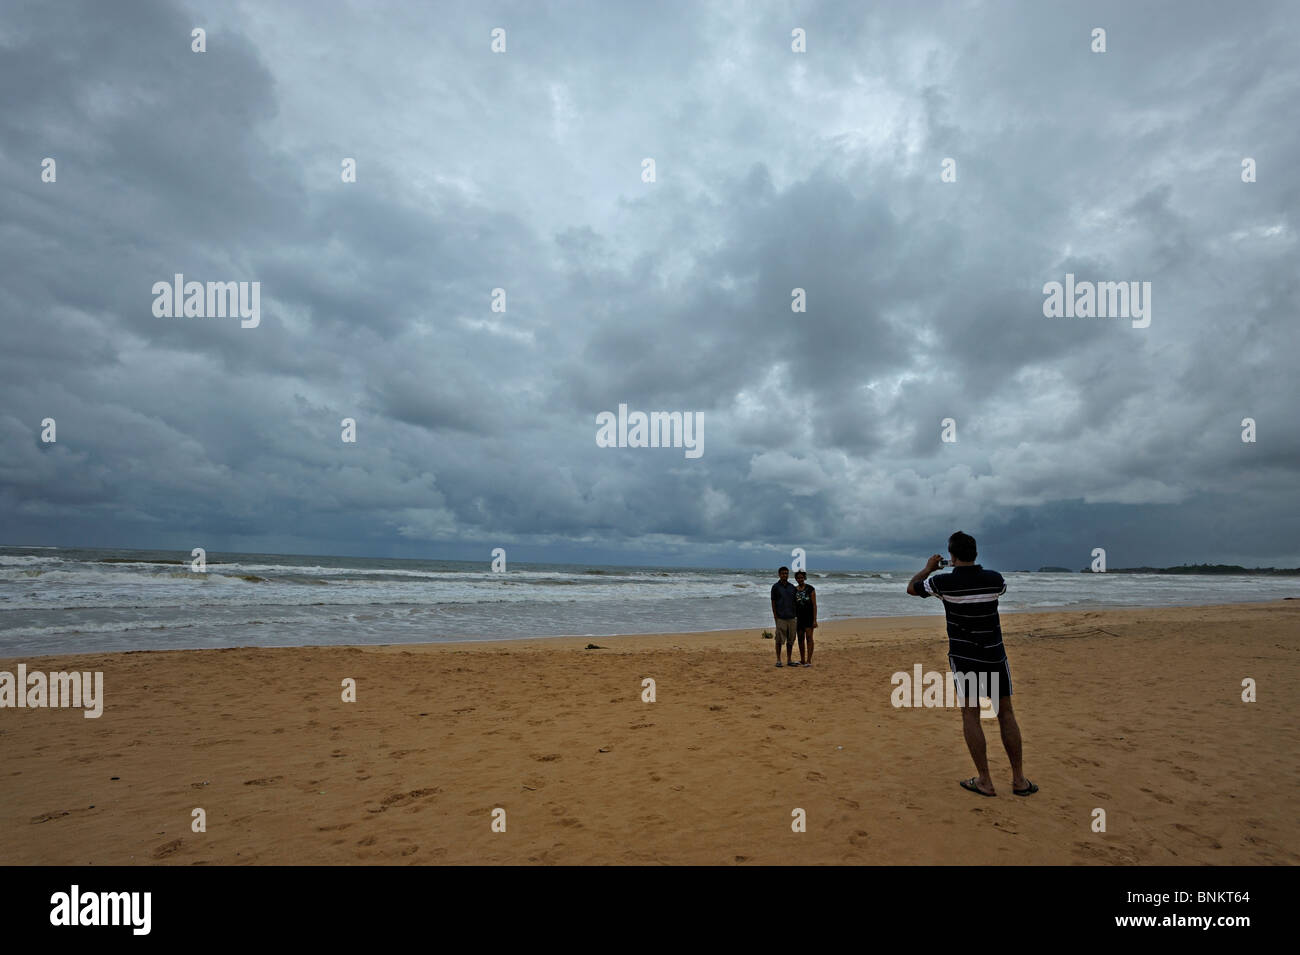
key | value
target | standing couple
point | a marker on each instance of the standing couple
(794, 608)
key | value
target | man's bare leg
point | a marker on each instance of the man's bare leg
(970, 724)
(1011, 742)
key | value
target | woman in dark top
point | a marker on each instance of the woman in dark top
(805, 609)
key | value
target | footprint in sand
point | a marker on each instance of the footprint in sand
(1201, 838)
(46, 817)
(1159, 797)
(166, 849)
(398, 799)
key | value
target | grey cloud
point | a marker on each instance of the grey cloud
(775, 171)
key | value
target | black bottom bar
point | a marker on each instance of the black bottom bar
(331, 904)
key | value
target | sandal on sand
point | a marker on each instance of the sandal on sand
(1028, 791)
(970, 785)
(779, 663)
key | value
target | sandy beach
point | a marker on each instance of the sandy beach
(1136, 712)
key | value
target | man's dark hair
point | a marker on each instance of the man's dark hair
(962, 546)
(786, 569)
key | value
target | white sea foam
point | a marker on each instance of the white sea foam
(59, 604)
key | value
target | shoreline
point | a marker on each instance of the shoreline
(830, 626)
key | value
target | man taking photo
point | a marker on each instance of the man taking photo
(970, 601)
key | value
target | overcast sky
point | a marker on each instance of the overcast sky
(774, 170)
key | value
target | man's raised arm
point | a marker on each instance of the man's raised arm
(914, 585)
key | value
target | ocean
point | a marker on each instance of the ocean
(74, 600)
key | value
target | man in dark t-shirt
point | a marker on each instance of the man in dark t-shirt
(976, 655)
(783, 614)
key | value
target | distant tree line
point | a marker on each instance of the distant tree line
(1190, 569)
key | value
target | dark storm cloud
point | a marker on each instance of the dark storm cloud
(775, 171)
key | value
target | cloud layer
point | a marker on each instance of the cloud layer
(775, 170)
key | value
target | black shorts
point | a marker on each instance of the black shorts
(988, 676)
(803, 625)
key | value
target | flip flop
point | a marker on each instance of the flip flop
(779, 663)
(969, 784)
(1032, 788)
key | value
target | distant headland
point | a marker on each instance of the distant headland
(1186, 569)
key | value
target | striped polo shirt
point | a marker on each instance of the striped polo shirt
(970, 601)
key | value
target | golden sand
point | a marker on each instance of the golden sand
(1136, 712)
